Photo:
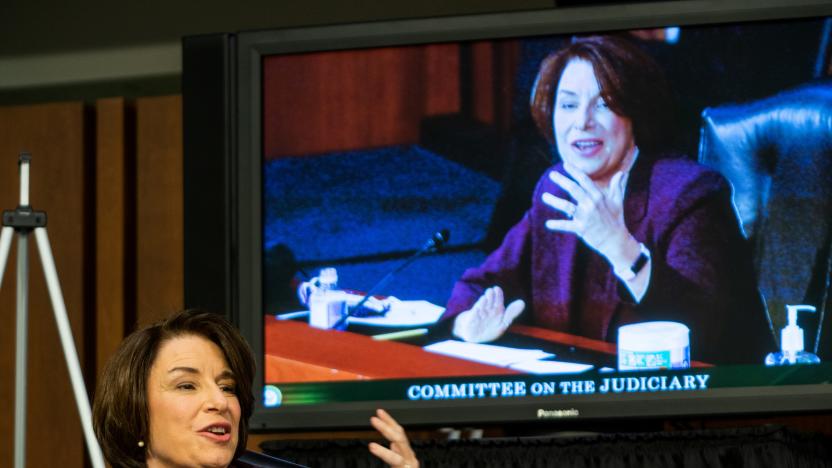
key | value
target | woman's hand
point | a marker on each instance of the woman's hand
(596, 216)
(399, 454)
(488, 319)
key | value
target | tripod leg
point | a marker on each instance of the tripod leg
(21, 350)
(68, 343)
(5, 245)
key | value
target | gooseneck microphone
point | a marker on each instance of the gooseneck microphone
(436, 242)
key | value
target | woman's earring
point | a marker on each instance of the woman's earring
(141, 443)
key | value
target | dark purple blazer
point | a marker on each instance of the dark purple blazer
(702, 272)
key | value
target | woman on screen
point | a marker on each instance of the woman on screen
(178, 393)
(620, 231)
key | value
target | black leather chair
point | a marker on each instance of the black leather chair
(777, 153)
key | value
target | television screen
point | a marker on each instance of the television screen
(580, 213)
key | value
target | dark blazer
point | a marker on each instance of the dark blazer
(702, 274)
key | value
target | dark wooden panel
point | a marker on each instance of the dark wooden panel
(54, 134)
(441, 74)
(493, 65)
(159, 209)
(507, 61)
(483, 81)
(110, 227)
(342, 100)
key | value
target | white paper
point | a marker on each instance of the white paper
(401, 313)
(404, 314)
(551, 367)
(489, 354)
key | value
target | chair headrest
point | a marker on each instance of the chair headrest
(751, 143)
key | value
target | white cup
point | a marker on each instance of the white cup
(653, 345)
(327, 312)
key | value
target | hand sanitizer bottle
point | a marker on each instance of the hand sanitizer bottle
(791, 342)
(326, 303)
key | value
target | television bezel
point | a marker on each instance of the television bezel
(223, 157)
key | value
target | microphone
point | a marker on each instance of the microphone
(252, 459)
(436, 242)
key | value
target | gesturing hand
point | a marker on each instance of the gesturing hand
(399, 455)
(488, 319)
(596, 216)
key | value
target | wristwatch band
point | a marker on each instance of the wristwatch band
(629, 273)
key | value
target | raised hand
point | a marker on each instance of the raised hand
(399, 455)
(489, 318)
(596, 216)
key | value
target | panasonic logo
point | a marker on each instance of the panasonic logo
(559, 413)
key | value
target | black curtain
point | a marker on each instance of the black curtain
(763, 446)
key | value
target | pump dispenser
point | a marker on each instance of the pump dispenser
(791, 342)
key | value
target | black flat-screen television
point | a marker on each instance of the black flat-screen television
(354, 147)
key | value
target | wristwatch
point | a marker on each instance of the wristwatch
(627, 274)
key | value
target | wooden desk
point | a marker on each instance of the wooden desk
(296, 352)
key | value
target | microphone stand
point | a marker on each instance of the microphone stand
(434, 244)
(23, 220)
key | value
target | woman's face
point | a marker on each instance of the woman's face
(194, 413)
(589, 135)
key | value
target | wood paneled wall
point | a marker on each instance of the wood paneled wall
(55, 134)
(344, 100)
(115, 295)
(109, 176)
(356, 99)
(159, 209)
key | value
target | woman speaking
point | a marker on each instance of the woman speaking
(620, 231)
(178, 393)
